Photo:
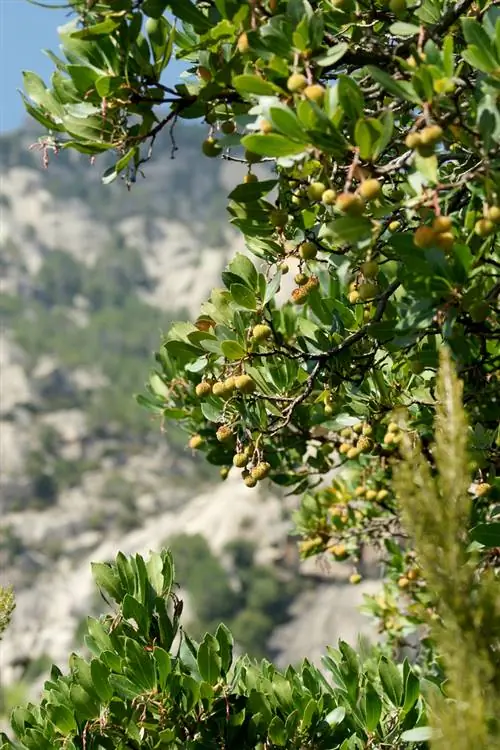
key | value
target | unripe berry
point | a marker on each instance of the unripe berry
(431, 135)
(367, 291)
(344, 448)
(370, 189)
(224, 433)
(203, 389)
(211, 147)
(353, 297)
(218, 389)
(424, 238)
(250, 481)
(445, 240)
(370, 269)
(382, 494)
(308, 250)
(338, 551)
(301, 279)
(371, 495)
(313, 283)
(393, 427)
(351, 204)
(244, 384)
(195, 442)
(413, 140)
(360, 491)
(358, 428)
(364, 444)
(315, 93)
(315, 190)
(284, 268)
(493, 214)
(394, 226)
(296, 83)
(484, 227)
(346, 432)
(240, 460)
(353, 452)
(442, 224)
(403, 582)
(265, 126)
(229, 385)
(228, 127)
(261, 332)
(329, 197)
(261, 470)
(355, 578)
(278, 218)
(328, 410)
(367, 429)
(243, 43)
(249, 177)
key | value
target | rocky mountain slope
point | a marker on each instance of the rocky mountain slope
(91, 275)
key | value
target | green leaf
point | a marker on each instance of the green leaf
(243, 267)
(209, 662)
(226, 642)
(249, 84)
(287, 122)
(63, 718)
(399, 89)
(85, 706)
(336, 716)
(487, 534)
(163, 666)
(277, 733)
(333, 55)
(104, 28)
(106, 578)
(232, 350)
(372, 707)
(347, 229)
(272, 145)
(100, 680)
(400, 28)
(243, 296)
(391, 681)
(418, 734)
(134, 610)
(427, 166)
(252, 191)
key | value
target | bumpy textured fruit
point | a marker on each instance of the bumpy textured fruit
(211, 147)
(308, 250)
(249, 480)
(278, 218)
(349, 203)
(228, 127)
(249, 177)
(203, 389)
(284, 268)
(431, 135)
(393, 427)
(367, 429)
(358, 428)
(344, 448)
(296, 83)
(442, 224)
(394, 226)
(218, 389)
(353, 452)
(195, 441)
(371, 495)
(299, 295)
(382, 494)
(360, 491)
(445, 240)
(493, 214)
(301, 279)
(364, 444)
(329, 197)
(261, 332)
(484, 227)
(243, 43)
(224, 433)
(370, 189)
(240, 460)
(413, 140)
(261, 470)
(315, 190)
(244, 384)
(313, 283)
(367, 291)
(355, 578)
(315, 93)
(229, 385)
(424, 238)
(370, 269)
(479, 312)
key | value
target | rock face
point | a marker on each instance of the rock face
(83, 474)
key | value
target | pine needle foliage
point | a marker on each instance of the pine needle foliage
(436, 508)
(7, 606)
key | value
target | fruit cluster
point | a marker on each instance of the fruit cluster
(356, 440)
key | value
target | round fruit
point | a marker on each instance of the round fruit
(224, 472)
(424, 237)
(431, 135)
(369, 269)
(240, 460)
(203, 389)
(284, 268)
(249, 177)
(265, 126)
(353, 297)
(315, 93)
(355, 578)
(367, 429)
(371, 495)
(261, 470)
(479, 312)
(195, 442)
(393, 427)
(315, 191)
(252, 158)
(445, 240)
(243, 43)
(370, 189)
(358, 428)
(394, 226)
(339, 551)
(278, 218)
(296, 83)
(211, 147)
(299, 295)
(484, 227)
(218, 389)
(313, 283)
(224, 433)
(360, 491)
(364, 444)
(308, 250)
(442, 224)
(403, 582)
(367, 291)
(382, 494)
(250, 481)
(301, 279)
(261, 332)
(244, 384)
(413, 140)
(329, 197)
(349, 203)
(229, 385)
(344, 448)
(353, 452)
(228, 127)
(204, 74)
(493, 214)
(328, 410)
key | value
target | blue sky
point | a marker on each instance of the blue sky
(25, 30)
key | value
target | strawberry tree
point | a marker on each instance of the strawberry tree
(372, 229)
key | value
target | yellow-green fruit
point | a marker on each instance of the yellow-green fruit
(353, 452)
(370, 269)
(382, 494)
(370, 189)
(355, 578)
(250, 481)
(211, 147)
(308, 250)
(367, 291)
(493, 214)
(249, 177)
(344, 448)
(351, 204)
(371, 495)
(445, 240)
(218, 389)
(301, 279)
(224, 472)
(261, 332)
(358, 428)
(224, 433)
(261, 470)
(346, 432)
(228, 127)
(284, 268)
(244, 384)
(389, 438)
(328, 410)
(484, 227)
(339, 551)
(393, 427)
(265, 126)
(328, 197)
(413, 574)
(394, 226)
(482, 489)
(431, 135)
(229, 385)
(315, 190)
(479, 312)
(413, 140)
(243, 43)
(367, 429)
(424, 238)
(315, 93)
(296, 83)
(397, 6)
(403, 582)
(299, 295)
(360, 491)
(252, 158)
(203, 389)
(353, 296)
(442, 224)
(240, 460)
(364, 444)
(196, 441)
(278, 218)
